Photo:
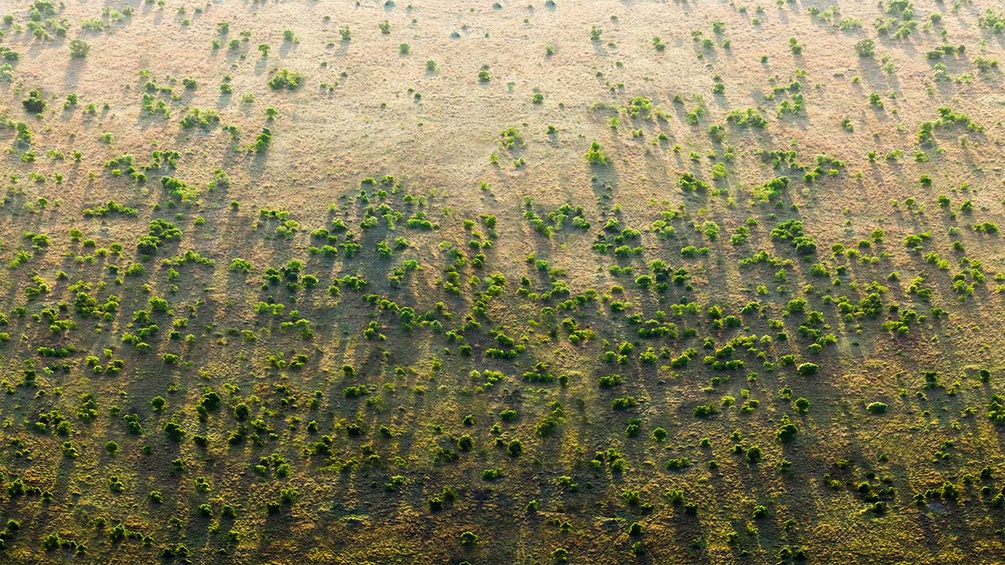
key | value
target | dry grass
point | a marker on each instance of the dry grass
(367, 110)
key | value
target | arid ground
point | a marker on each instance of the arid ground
(585, 281)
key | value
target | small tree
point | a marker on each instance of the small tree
(876, 407)
(866, 48)
(596, 156)
(285, 78)
(34, 103)
(79, 49)
(802, 404)
(807, 369)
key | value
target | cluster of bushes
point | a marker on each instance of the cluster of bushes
(286, 79)
(160, 230)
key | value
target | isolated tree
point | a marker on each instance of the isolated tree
(79, 49)
(34, 103)
(865, 48)
(596, 156)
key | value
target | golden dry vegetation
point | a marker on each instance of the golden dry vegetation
(447, 282)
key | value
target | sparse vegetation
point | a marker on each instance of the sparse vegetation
(285, 79)
(501, 283)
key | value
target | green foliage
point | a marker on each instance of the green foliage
(34, 103)
(677, 464)
(174, 431)
(792, 231)
(596, 155)
(748, 117)
(787, 431)
(807, 369)
(204, 119)
(79, 48)
(286, 79)
(865, 48)
(876, 408)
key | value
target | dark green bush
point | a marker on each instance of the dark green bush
(876, 407)
(807, 369)
(624, 402)
(34, 103)
(286, 79)
(595, 155)
(677, 463)
(787, 431)
(174, 431)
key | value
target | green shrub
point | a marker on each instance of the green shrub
(787, 431)
(196, 117)
(241, 411)
(79, 48)
(624, 403)
(595, 155)
(703, 410)
(288, 495)
(677, 463)
(807, 369)
(866, 48)
(286, 79)
(240, 265)
(34, 103)
(876, 407)
(174, 431)
(263, 141)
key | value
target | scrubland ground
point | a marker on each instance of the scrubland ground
(446, 282)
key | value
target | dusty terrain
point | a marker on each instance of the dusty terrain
(446, 282)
